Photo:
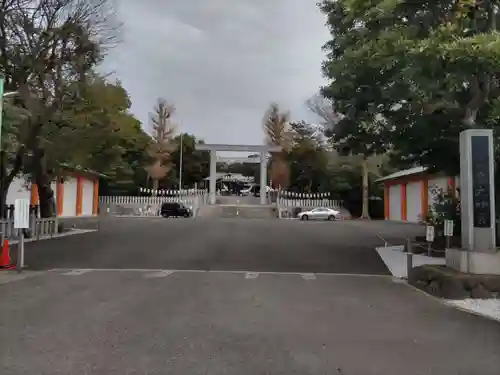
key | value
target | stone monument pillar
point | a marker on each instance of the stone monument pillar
(477, 190)
(477, 199)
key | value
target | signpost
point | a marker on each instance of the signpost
(429, 237)
(448, 228)
(409, 258)
(21, 222)
(429, 234)
(448, 232)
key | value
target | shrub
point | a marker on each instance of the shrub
(446, 207)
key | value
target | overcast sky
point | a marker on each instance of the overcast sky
(221, 62)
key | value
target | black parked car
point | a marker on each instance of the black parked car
(169, 209)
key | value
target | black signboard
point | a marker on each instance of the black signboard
(481, 181)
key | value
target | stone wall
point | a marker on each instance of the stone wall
(444, 282)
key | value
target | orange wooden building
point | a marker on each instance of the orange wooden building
(408, 194)
(76, 194)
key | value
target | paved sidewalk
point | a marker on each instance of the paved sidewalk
(71, 232)
(9, 276)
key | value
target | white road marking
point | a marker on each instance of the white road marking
(308, 276)
(251, 275)
(159, 274)
(76, 272)
(145, 270)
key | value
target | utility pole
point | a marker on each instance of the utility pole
(180, 162)
(1, 108)
(2, 207)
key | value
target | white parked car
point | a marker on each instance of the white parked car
(247, 191)
(320, 213)
(254, 190)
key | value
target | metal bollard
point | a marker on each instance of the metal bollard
(20, 252)
(409, 258)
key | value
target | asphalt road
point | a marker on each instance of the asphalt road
(225, 244)
(212, 323)
(316, 300)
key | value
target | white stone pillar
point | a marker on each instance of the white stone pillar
(477, 190)
(263, 177)
(213, 176)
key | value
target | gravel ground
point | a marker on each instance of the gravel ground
(483, 307)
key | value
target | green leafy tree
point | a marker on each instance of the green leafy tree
(434, 68)
(11, 160)
(46, 47)
(359, 127)
(126, 174)
(307, 158)
(413, 74)
(346, 186)
(195, 164)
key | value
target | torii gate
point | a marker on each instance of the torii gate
(263, 150)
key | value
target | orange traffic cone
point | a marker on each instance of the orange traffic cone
(5, 256)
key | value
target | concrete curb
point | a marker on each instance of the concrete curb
(73, 232)
(238, 272)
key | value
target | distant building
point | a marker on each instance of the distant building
(229, 182)
(232, 177)
(408, 194)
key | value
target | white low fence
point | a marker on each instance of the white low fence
(147, 206)
(39, 228)
(285, 202)
(308, 202)
(289, 203)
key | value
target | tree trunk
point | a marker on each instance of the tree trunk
(156, 183)
(43, 182)
(3, 203)
(365, 214)
(4, 187)
(46, 197)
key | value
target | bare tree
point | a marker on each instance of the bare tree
(277, 127)
(46, 46)
(278, 133)
(162, 146)
(325, 110)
